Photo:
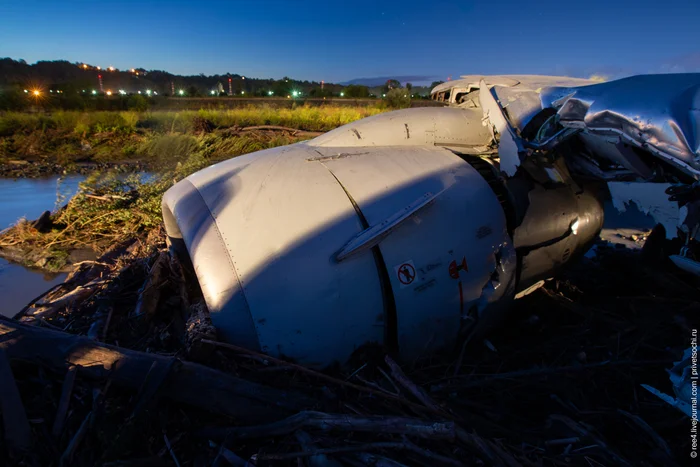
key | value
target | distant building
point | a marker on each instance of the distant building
(219, 88)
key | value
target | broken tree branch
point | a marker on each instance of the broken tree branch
(319, 375)
(14, 418)
(149, 294)
(64, 402)
(418, 392)
(189, 383)
(327, 422)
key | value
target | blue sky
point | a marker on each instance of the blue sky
(338, 41)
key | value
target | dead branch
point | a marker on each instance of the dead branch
(540, 372)
(418, 392)
(64, 403)
(367, 458)
(77, 295)
(77, 439)
(189, 383)
(104, 197)
(327, 422)
(660, 442)
(31, 303)
(170, 450)
(317, 374)
(586, 433)
(15, 423)
(149, 294)
(335, 450)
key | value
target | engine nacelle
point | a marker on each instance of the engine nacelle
(309, 251)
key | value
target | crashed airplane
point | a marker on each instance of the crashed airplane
(416, 228)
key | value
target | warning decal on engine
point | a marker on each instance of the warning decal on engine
(406, 273)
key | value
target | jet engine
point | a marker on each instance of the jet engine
(399, 229)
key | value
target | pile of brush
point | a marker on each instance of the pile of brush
(120, 366)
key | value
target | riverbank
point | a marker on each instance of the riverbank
(111, 207)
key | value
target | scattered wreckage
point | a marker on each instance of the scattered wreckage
(416, 228)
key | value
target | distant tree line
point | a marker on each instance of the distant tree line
(76, 86)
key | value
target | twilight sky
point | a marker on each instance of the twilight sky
(336, 41)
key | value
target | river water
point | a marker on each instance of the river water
(29, 198)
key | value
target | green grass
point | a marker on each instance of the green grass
(89, 123)
(66, 136)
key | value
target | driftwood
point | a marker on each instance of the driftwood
(67, 456)
(418, 392)
(262, 357)
(295, 132)
(189, 383)
(80, 293)
(66, 393)
(150, 291)
(420, 428)
(14, 417)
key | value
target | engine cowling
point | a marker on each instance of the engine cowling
(311, 250)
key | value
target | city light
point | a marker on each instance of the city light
(148, 91)
(84, 66)
(111, 68)
(155, 93)
(26, 90)
(98, 68)
(50, 90)
(109, 93)
(242, 92)
(94, 92)
(181, 92)
(342, 94)
(36, 92)
(122, 92)
(383, 95)
(269, 93)
(294, 93)
(213, 92)
(139, 92)
(133, 70)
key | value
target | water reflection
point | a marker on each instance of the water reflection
(29, 198)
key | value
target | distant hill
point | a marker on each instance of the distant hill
(421, 84)
(416, 80)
